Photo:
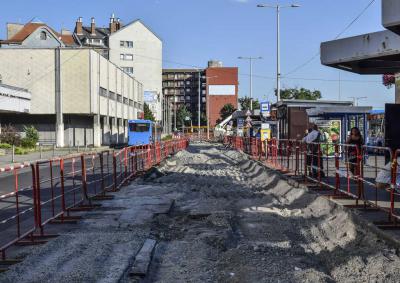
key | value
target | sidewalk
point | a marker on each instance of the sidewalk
(6, 160)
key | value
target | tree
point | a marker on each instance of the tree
(148, 115)
(182, 114)
(31, 137)
(300, 93)
(203, 118)
(226, 111)
(10, 135)
(245, 103)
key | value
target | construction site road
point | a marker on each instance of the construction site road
(214, 216)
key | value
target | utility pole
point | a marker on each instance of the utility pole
(175, 113)
(199, 108)
(356, 99)
(251, 76)
(278, 8)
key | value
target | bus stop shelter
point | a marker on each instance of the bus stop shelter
(336, 122)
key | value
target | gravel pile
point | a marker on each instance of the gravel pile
(232, 220)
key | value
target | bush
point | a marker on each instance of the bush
(31, 137)
(167, 138)
(10, 135)
(27, 143)
(5, 146)
(21, 151)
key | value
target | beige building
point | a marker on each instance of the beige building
(133, 47)
(78, 97)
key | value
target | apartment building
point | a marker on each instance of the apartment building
(133, 47)
(218, 86)
(181, 87)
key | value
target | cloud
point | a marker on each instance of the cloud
(241, 1)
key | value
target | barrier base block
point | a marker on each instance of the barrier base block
(45, 236)
(30, 242)
(85, 207)
(10, 261)
(105, 197)
(386, 225)
(340, 197)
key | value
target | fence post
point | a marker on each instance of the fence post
(393, 185)
(115, 171)
(84, 180)
(13, 154)
(40, 151)
(337, 167)
(38, 199)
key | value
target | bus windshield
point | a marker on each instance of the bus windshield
(139, 127)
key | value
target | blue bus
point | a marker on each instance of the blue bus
(141, 132)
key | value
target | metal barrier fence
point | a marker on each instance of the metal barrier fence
(343, 170)
(47, 191)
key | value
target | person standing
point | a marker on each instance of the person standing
(356, 141)
(312, 140)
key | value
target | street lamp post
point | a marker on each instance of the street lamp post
(199, 108)
(251, 76)
(356, 99)
(207, 107)
(278, 58)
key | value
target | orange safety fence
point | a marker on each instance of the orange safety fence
(47, 191)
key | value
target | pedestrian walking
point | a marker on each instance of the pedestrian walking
(356, 141)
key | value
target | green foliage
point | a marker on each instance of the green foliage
(226, 111)
(148, 115)
(5, 146)
(167, 138)
(181, 115)
(245, 103)
(203, 119)
(31, 137)
(10, 135)
(21, 150)
(300, 94)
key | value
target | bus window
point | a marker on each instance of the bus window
(139, 127)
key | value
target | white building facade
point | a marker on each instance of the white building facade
(135, 49)
(78, 97)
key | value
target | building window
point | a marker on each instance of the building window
(119, 98)
(127, 44)
(126, 100)
(128, 70)
(187, 82)
(112, 95)
(126, 57)
(130, 102)
(43, 35)
(103, 92)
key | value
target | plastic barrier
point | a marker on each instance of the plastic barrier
(33, 195)
(18, 211)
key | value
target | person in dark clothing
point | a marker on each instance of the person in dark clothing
(356, 141)
(314, 156)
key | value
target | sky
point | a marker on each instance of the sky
(195, 31)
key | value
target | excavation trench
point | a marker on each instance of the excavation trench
(217, 217)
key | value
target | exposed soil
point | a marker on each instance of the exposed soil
(217, 217)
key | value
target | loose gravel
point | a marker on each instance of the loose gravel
(232, 220)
